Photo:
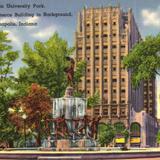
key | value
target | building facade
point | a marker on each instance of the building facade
(103, 37)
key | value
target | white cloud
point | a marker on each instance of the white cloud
(151, 17)
(6, 20)
(32, 19)
(45, 33)
(13, 36)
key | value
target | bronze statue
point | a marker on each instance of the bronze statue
(94, 127)
(70, 70)
(84, 124)
(61, 128)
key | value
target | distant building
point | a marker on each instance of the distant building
(103, 37)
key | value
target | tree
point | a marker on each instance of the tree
(93, 100)
(120, 129)
(37, 106)
(45, 64)
(106, 134)
(7, 58)
(158, 137)
(79, 73)
(144, 59)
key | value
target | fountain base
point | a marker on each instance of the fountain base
(63, 145)
(81, 144)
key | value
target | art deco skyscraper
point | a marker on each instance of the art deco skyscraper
(103, 37)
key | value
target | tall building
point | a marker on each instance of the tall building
(149, 97)
(103, 37)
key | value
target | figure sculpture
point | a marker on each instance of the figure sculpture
(70, 70)
(61, 128)
(94, 127)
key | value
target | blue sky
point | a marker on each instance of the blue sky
(146, 12)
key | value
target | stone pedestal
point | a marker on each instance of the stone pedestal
(69, 92)
(63, 145)
(81, 143)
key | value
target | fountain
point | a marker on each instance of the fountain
(71, 126)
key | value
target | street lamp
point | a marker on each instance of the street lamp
(24, 116)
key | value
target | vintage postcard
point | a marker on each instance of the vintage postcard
(79, 79)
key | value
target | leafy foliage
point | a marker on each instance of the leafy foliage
(80, 71)
(7, 58)
(93, 100)
(45, 64)
(36, 105)
(106, 134)
(158, 137)
(121, 129)
(144, 59)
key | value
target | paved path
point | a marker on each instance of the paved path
(137, 154)
(144, 159)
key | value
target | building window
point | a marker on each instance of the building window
(122, 46)
(105, 91)
(105, 47)
(97, 69)
(105, 58)
(114, 91)
(122, 101)
(105, 35)
(105, 100)
(88, 48)
(123, 79)
(97, 80)
(105, 23)
(114, 112)
(96, 35)
(105, 80)
(114, 68)
(114, 102)
(97, 24)
(123, 91)
(123, 36)
(114, 57)
(105, 69)
(96, 47)
(88, 80)
(88, 24)
(114, 23)
(88, 91)
(80, 90)
(114, 46)
(97, 58)
(88, 70)
(122, 112)
(114, 80)
(88, 36)
(114, 35)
